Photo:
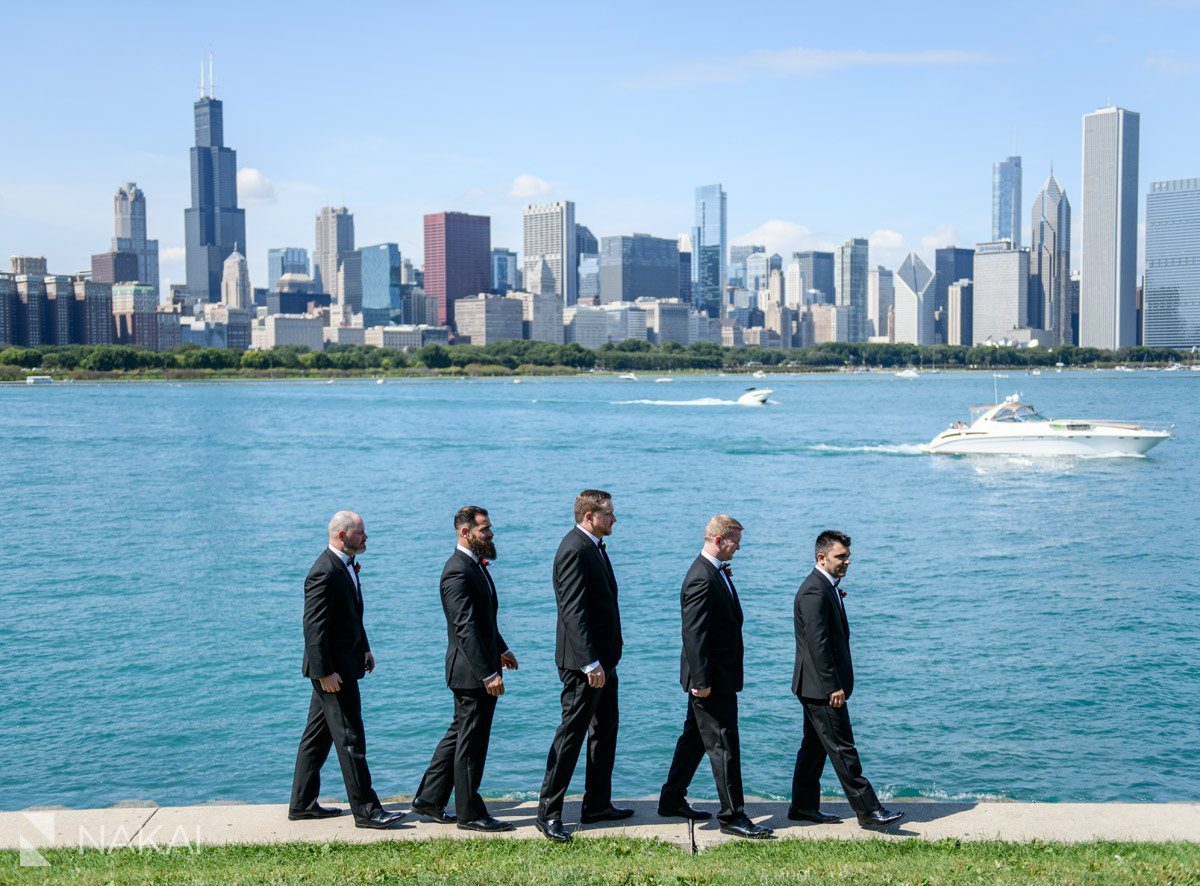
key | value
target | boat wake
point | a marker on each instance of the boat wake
(702, 401)
(878, 449)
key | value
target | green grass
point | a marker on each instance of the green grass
(510, 862)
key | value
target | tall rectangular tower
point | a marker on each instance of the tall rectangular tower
(709, 250)
(1006, 200)
(334, 240)
(1050, 262)
(1108, 246)
(458, 259)
(950, 264)
(852, 269)
(213, 225)
(550, 236)
(1171, 299)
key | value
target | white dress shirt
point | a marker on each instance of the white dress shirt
(833, 581)
(720, 568)
(345, 558)
(588, 668)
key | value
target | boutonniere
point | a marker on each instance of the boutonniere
(357, 567)
(841, 593)
(485, 563)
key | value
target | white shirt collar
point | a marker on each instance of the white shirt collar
(828, 577)
(468, 552)
(711, 559)
(595, 540)
(345, 558)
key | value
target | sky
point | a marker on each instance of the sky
(822, 121)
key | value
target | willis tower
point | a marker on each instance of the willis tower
(213, 226)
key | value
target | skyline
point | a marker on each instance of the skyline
(641, 159)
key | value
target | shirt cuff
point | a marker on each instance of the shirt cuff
(492, 677)
(588, 668)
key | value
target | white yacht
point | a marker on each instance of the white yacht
(759, 374)
(754, 397)
(1015, 428)
(907, 373)
(627, 376)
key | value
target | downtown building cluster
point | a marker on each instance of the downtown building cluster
(566, 285)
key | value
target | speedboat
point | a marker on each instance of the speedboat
(1016, 428)
(627, 376)
(663, 381)
(906, 373)
(759, 374)
(754, 397)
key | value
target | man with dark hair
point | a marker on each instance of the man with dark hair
(476, 656)
(823, 678)
(587, 648)
(336, 656)
(710, 671)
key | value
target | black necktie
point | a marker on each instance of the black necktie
(487, 576)
(608, 565)
(354, 580)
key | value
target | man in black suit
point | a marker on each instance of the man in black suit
(587, 648)
(823, 678)
(476, 655)
(336, 657)
(710, 671)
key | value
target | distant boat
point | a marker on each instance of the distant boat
(999, 375)
(379, 381)
(628, 376)
(1124, 369)
(38, 380)
(760, 374)
(329, 381)
(754, 397)
(1174, 367)
(907, 373)
(516, 381)
(1036, 372)
(662, 380)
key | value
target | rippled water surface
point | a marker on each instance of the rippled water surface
(1021, 627)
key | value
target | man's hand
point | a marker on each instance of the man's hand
(494, 686)
(370, 661)
(837, 699)
(333, 682)
(508, 661)
(596, 677)
(702, 693)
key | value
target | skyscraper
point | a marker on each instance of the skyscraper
(881, 295)
(286, 260)
(585, 242)
(1171, 300)
(1000, 291)
(949, 265)
(549, 230)
(213, 225)
(685, 269)
(709, 239)
(458, 258)
(129, 211)
(817, 269)
(638, 266)
(913, 301)
(1050, 262)
(1108, 246)
(1006, 200)
(235, 282)
(852, 266)
(334, 239)
(380, 271)
(504, 270)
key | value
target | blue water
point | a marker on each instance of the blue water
(1022, 628)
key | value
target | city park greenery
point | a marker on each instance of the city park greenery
(533, 357)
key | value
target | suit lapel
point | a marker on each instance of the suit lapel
(343, 570)
(727, 591)
(835, 597)
(483, 581)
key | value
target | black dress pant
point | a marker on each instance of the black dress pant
(827, 733)
(334, 718)
(711, 727)
(585, 712)
(460, 756)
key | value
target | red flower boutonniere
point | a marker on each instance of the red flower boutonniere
(485, 563)
(841, 593)
(357, 568)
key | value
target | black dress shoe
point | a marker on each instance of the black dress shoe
(314, 811)
(612, 813)
(683, 810)
(487, 824)
(814, 815)
(381, 819)
(553, 829)
(880, 818)
(744, 827)
(429, 812)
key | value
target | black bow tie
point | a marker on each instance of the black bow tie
(350, 562)
(600, 544)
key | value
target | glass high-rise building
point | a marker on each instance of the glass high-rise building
(213, 225)
(458, 258)
(129, 210)
(380, 266)
(550, 236)
(1006, 200)
(950, 264)
(504, 270)
(1171, 291)
(912, 301)
(709, 247)
(638, 266)
(334, 240)
(1050, 262)
(1000, 291)
(285, 260)
(817, 270)
(1108, 246)
(851, 293)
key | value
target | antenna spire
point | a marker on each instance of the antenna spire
(201, 75)
(212, 79)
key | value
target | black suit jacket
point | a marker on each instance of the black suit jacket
(589, 622)
(712, 631)
(474, 644)
(823, 664)
(335, 639)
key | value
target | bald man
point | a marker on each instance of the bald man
(336, 656)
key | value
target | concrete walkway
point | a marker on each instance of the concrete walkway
(149, 827)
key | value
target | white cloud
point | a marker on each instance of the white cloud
(798, 62)
(525, 186)
(781, 236)
(942, 236)
(254, 188)
(886, 239)
(1171, 64)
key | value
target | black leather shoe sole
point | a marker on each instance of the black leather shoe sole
(813, 815)
(759, 834)
(496, 828)
(884, 822)
(557, 837)
(608, 815)
(308, 816)
(690, 814)
(432, 813)
(380, 825)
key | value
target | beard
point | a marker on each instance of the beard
(484, 550)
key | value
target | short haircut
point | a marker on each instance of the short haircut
(827, 539)
(721, 525)
(588, 501)
(466, 515)
(342, 521)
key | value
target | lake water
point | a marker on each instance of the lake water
(1021, 628)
